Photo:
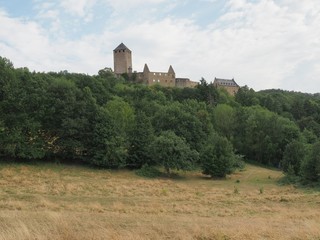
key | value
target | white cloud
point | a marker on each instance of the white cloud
(78, 7)
(124, 5)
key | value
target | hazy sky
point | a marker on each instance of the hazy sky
(261, 43)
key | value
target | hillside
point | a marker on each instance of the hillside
(49, 201)
(111, 122)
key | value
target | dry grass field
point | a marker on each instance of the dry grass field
(72, 202)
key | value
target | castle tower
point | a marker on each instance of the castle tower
(122, 60)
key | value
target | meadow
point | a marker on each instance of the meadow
(50, 201)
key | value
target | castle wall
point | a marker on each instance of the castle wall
(152, 78)
(161, 78)
(185, 82)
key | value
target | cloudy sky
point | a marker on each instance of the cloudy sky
(260, 43)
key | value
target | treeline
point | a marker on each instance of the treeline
(114, 123)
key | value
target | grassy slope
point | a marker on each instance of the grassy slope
(72, 202)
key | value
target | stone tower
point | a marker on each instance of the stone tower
(122, 60)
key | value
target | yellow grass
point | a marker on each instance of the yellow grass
(72, 202)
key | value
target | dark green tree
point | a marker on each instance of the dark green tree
(246, 97)
(183, 123)
(172, 152)
(217, 157)
(311, 166)
(224, 120)
(140, 138)
(293, 157)
(111, 134)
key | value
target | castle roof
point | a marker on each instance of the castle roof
(171, 70)
(121, 47)
(146, 68)
(225, 82)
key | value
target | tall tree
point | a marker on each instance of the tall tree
(140, 138)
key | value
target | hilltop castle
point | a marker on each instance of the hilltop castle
(123, 65)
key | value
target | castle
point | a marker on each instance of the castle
(123, 65)
(228, 84)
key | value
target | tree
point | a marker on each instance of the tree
(246, 96)
(207, 92)
(293, 156)
(172, 152)
(311, 166)
(224, 120)
(217, 157)
(175, 118)
(111, 140)
(263, 135)
(21, 107)
(140, 138)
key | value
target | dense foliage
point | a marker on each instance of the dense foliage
(111, 122)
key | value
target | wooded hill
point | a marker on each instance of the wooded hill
(114, 123)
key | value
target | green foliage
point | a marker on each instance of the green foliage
(293, 157)
(173, 152)
(207, 92)
(110, 142)
(148, 172)
(239, 163)
(140, 138)
(224, 120)
(246, 97)
(263, 135)
(184, 124)
(217, 158)
(311, 166)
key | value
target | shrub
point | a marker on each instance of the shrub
(148, 172)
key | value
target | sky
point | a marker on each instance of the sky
(264, 44)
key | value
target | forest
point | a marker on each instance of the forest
(114, 123)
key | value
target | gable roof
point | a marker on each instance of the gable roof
(146, 68)
(171, 70)
(225, 82)
(121, 47)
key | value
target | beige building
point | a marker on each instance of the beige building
(166, 79)
(123, 64)
(229, 84)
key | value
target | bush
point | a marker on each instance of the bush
(239, 163)
(148, 172)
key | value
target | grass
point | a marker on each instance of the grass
(51, 201)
